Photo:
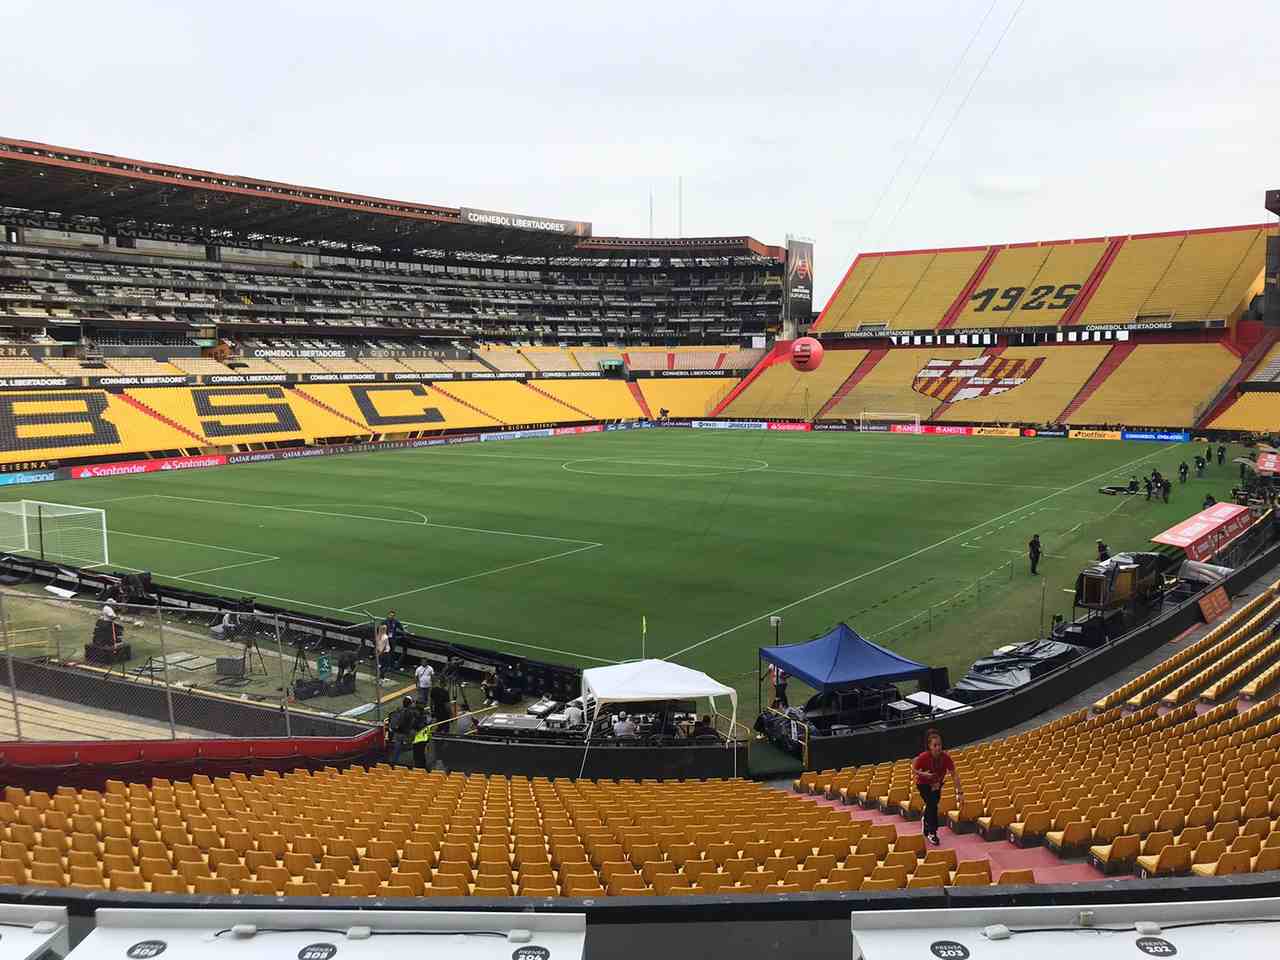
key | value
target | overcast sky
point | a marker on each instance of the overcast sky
(1091, 116)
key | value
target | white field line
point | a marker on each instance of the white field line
(319, 513)
(413, 523)
(910, 556)
(136, 496)
(191, 577)
(772, 469)
(473, 576)
(191, 543)
(231, 566)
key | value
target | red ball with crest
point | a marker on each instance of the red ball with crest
(806, 354)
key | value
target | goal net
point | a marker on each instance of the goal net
(59, 532)
(870, 421)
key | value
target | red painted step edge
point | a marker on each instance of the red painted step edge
(1095, 280)
(564, 403)
(330, 410)
(1228, 395)
(958, 304)
(157, 415)
(466, 403)
(865, 366)
(781, 351)
(1110, 363)
(640, 400)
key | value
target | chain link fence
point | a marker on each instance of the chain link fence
(79, 669)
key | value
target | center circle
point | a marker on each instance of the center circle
(675, 469)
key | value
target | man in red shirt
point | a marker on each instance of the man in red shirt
(931, 769)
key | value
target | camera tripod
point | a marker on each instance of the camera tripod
(252, 649)
(300, 662)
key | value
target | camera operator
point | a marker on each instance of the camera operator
(438, 702)
(402, 725)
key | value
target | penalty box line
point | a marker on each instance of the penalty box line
(474, 576)
(258, 557)
(915, 553)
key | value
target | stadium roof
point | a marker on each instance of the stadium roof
(119, 192)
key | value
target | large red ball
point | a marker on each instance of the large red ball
(806, 354)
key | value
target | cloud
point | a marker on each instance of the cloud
(1000, 185)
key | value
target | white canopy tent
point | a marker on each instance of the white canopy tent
(644, 681)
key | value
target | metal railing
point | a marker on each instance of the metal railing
(89, 669)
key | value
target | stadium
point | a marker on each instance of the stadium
(458, 567)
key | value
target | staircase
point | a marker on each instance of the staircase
(466, 403)
(945, 405)
(1091, 285)
(962, 299)
(332, 411)
(167, 421)
(564, 403)
(865, 366)
(781, 352)
(640, 400)
(1115, 356)
(1227, 395)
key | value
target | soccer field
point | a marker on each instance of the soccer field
(556, 548)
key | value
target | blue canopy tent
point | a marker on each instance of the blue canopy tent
(842, 658)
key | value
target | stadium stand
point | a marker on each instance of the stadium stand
(695, 358)
(395, 408)
(71, 367)
(741, 359)
(23, 367)
(910, 290)
(782, 391)
(511, 401)
(550, 358)
(646, 358)
(142, 367)
(1186, 275)
(1177, 669)
(200, 366)
(1258, 411)
(601, 399)
(44, 424)
(424, 365)
(1026, 280)
(1059, 377)
(241, 414)
(888, 386)
(1268, 369)
(408, 833)
(1141, 391)
(1122, 785)
(590, 359)
(507, 359)
(694, 397)
(1146, 771)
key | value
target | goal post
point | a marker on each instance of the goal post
(59, 532)
(873, 421)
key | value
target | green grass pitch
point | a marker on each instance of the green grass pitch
(556, 548)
